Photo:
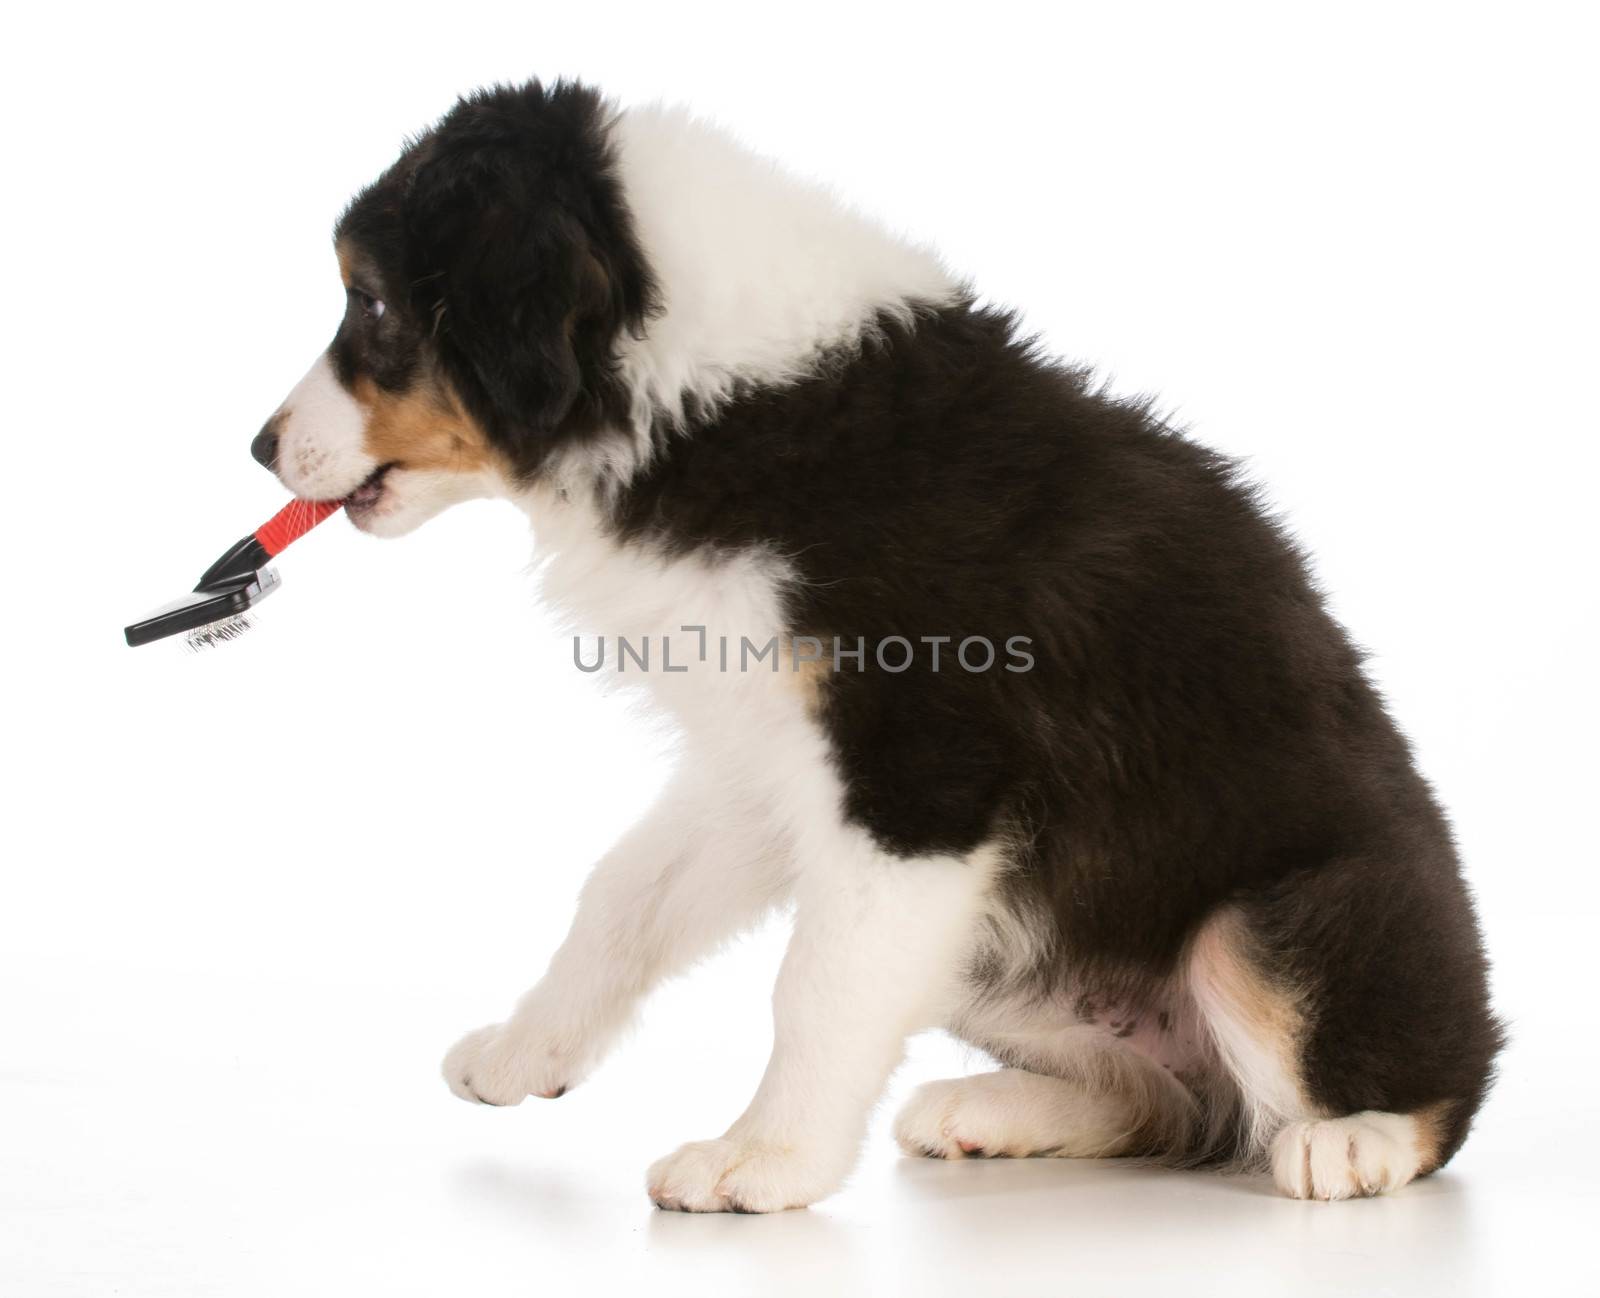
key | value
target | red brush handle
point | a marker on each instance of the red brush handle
(292, 522)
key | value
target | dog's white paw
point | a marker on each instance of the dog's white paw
(950, 1119)
(1012, 1114)
(504, 1064)
(1346, 1158)
(735, 1176)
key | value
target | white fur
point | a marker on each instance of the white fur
(759, 272)
(1346, 1158)
(700, 867)
(321, 453)
(631, 591)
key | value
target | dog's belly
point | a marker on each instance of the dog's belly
(1061, 1034)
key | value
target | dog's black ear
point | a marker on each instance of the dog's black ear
(521, 259)
(501, 278)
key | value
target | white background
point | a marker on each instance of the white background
(250, 897)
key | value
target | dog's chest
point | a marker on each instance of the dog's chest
(705, 635)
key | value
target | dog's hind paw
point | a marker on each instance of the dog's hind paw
(1013, 1114)
(1346, 1158)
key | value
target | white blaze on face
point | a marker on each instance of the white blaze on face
(321, 445)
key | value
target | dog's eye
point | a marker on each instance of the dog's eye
(371, 307)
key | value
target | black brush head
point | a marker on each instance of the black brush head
(203, 607)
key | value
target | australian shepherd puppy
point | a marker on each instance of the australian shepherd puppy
(1020, 699)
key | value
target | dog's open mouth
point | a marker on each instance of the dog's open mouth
(367, 495)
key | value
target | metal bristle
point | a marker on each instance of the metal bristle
(215, 633)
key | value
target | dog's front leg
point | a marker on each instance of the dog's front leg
(699, 868)
(879, 946)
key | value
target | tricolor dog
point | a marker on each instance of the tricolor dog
(1049, 739)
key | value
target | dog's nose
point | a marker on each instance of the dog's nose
(265, 445)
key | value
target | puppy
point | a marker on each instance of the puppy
(1019, 698)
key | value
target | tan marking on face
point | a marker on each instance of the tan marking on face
(1430, 1123)
(424, 427)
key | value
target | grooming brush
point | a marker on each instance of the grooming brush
(235, 583)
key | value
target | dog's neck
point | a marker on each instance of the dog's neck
(759, 274)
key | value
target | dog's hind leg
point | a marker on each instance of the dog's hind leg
(1349, 1005)
(700, 868)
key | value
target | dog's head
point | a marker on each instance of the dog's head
(489, 276)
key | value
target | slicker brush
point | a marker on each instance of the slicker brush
(216, 610)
